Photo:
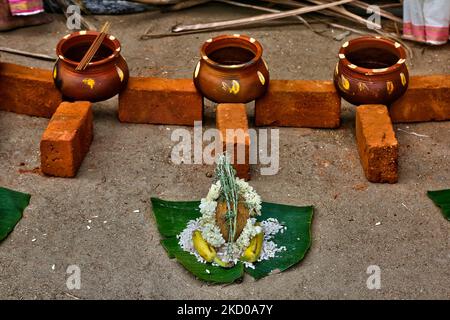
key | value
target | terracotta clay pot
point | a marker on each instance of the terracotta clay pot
(105, 76)
(231, 69)
(371, 70)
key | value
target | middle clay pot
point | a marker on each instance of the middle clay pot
(231, 69)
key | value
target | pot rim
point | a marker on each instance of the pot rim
(235, 38)
(398, 48)
(116, 48)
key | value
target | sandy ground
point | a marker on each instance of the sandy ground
(120, 256)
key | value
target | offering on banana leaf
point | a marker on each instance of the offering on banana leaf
(227, 230)
(231, 232)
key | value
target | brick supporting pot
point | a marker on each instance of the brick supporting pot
(299, 103)
(160, 101)
(232, 122)
(67, 139)
(377, 144)
(427, 99)
(28, 91)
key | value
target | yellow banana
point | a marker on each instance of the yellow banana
(251, 254)
(259, 244)
(205, 250)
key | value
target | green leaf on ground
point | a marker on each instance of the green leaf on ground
(296, 238)
(441, 198)
(12, 205)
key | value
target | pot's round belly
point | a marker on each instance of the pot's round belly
(233, 86)
(361, 89)
(95, 85)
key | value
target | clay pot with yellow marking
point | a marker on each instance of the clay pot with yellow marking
(105, 76)
(231, 69)
(221, 220)
(371, 70)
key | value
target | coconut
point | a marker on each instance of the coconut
(242, 216)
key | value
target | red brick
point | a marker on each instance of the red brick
(160, 101)
(377, 144)
(28, 90)
(299, 103)
(427, 99)
(67, 139)
(234, 116)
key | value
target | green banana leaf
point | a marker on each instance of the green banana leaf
(172, 217)
(442, 199)
(296, 238)
(12, 204)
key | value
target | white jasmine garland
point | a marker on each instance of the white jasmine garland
(210, 231)
(214, 192)
(250, 230)
(207, 222)
(232, 251)
(252, 199)
(207, 207)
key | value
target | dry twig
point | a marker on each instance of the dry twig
(184, 5)
(256, 19)
(148, 36)
(28, 54)
(260, 8)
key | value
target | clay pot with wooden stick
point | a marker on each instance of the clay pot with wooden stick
(104, 76)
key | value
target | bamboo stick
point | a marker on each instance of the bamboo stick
(260, 18)
(184, 5)
(148, 36)
(347, 13)
(260, 8)
(383, 13)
